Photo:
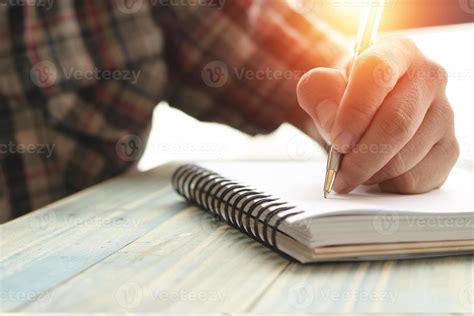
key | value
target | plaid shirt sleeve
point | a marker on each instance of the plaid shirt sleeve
(79, 81)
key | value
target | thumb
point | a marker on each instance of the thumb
(319, 94)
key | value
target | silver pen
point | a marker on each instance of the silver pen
(368, 29)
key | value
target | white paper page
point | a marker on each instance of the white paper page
(301, 184)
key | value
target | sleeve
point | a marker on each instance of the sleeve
(239, 63)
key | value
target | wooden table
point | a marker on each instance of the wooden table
(132, 244)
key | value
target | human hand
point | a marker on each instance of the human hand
(391, 118)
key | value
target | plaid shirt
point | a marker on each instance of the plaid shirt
(79, 81)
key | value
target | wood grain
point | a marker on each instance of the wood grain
(133, 245)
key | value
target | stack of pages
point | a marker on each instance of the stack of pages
(281, 205)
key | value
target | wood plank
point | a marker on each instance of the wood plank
(190, 263)
(133, 245)
(75, 239)
(441, 285)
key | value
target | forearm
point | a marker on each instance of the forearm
(263, 50)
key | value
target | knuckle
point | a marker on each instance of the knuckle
(408, 44)
(437, 74)
(451, 150)
(395, 167)
(368, 63)
(407, 183)
(441, 74)
(397, 126)
(456, 149)
(378, 71)
(445, 116)
(372, 60)
(449, 115)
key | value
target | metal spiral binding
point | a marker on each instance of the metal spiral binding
(236, 204)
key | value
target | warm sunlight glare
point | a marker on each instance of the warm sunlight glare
(341, 14)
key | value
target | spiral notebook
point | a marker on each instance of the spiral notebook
(280, 205)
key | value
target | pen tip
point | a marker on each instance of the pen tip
(325, 195)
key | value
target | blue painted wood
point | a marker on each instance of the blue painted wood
(133, 245)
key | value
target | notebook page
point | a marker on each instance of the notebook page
(301, 184)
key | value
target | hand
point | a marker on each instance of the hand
(391, 118)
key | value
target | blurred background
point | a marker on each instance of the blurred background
(398, 14)
(444, 31)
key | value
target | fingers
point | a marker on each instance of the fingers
(319, 93)
(374, 74)
(439, 117)
(392, 127)
(429, 174)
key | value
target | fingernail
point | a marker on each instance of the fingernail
(343, 142)
(325, 112)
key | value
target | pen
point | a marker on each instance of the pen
(368, 29)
